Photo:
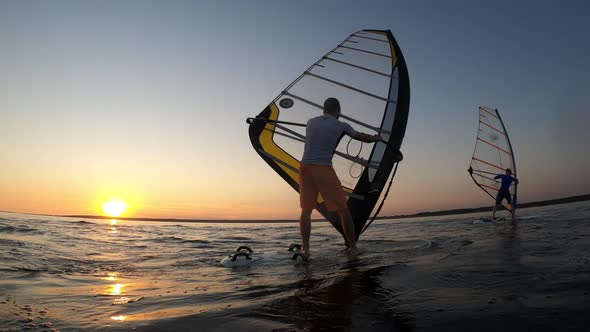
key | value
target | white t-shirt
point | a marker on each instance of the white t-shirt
(321, 137)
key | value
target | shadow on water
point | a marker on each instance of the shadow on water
(354, 302)
(509, 245)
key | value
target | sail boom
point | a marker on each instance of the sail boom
(484, 172)
(285, 135)
(485, 177)
(301, 138)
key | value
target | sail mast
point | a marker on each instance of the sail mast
(513, 160)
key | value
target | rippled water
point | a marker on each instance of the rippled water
(442, 273)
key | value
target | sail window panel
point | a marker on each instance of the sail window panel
(353, 104)
(366, 47)
(288, 144)
(371, 61)
(348, 172)
(360, 79)
(371, 34)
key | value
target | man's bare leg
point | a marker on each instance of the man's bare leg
(513, 210)
(494, 212)
(348, 227)
(305, 227)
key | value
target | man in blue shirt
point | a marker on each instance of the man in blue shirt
(504, 192)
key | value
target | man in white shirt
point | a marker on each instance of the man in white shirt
(316, 174)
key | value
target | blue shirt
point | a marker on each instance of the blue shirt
(506, 181)
(321, 137)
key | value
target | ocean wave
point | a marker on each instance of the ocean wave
(146, 258)
(19, 229)
(31, 269)
(7, 229)
(196, 241)
(11, 243)
(84, 222)
(236, 238)
(166, 239)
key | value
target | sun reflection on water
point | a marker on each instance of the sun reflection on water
(119, 317)
(111, 276)
(115, 289)
(113, 228)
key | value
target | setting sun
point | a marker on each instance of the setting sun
(114, 207)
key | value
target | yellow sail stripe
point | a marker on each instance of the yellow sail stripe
(268, 145)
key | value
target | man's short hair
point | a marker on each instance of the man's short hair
(508, 170)
(332, 106)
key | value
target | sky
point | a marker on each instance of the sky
(146, 101)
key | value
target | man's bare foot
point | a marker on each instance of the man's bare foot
(354, 251)
(305, 253)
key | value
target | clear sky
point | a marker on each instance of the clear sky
(147, 100)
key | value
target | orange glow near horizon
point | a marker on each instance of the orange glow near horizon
(234, 197)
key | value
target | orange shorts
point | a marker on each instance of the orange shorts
(320, 179)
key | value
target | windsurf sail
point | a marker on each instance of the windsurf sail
(492, 154)
(368, 75)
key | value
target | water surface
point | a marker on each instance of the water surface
(422, 274)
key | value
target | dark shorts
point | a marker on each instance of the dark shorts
(505, 194)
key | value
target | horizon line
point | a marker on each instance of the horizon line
(562, 200)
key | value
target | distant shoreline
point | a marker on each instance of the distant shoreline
(571, 199)
(565, 200)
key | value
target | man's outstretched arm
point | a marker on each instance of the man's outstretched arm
(367, 138)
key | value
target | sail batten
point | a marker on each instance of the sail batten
(495, 129)
(359, 67)
(364, 51)
(350, 87)
(301, 138)
(379, 40)
(377, 129)
(487, 111)
(495, 146)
